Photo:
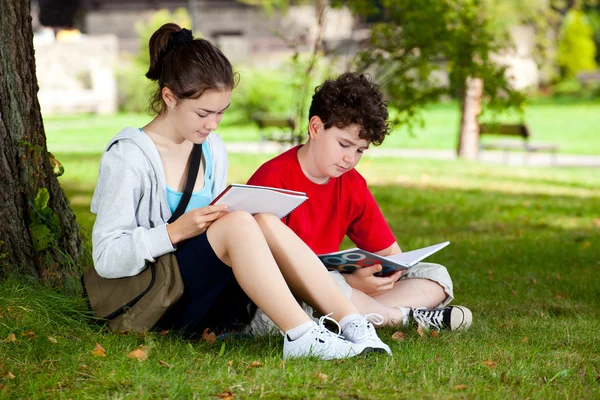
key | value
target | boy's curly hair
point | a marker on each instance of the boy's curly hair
(352, 99)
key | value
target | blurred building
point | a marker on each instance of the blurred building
(244, 32)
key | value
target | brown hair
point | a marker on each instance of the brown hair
(187, 66)
(352, 99)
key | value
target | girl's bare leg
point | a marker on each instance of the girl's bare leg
(310, 281)
(238, 241)
(302, 269)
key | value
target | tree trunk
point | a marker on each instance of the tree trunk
(26, 167)
(468, 140)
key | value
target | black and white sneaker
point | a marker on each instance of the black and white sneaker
(451, 317)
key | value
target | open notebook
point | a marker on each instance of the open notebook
(351, 259)
(260, 199)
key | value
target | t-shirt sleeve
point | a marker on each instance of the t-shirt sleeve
(369, 229)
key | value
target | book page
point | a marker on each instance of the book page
(256, 200)
(411, 258)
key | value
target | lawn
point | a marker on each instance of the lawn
(549, 123)
(524, 257)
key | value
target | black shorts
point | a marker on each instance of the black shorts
(211, 298)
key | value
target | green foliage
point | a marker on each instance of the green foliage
(594, 20)
(44, 223)
(134, 88)
(269, 5)
(261, 91)
(459, 38)
(576, 47)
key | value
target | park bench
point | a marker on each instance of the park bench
(277, 129)
(523, 142)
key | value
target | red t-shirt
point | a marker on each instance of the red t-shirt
(342, 206)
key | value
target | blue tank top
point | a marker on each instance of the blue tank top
(204, 196)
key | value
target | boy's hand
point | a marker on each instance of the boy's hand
(194, 222)
(363, 279)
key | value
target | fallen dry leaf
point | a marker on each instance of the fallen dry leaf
(11, 376)
(460, 387)
(164, 332)
(209, 336)
(255, 364)
(30, 334)
(84, 366)
(489, 363)
(398, 336)
(141, 353)
(525, 340)
(52, 340)
(230, 363)
(123, 333)
(11, 338)
(322, 377)
(420, 330)
(99, 351)
(225, 395)
(434, 334)
(533, 280)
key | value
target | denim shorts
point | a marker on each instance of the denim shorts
(212, 298)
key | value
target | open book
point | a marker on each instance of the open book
(260, 199)
(351, 259)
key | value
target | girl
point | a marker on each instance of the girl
(226, 259)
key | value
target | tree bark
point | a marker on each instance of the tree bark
(468, 140)
(25, 164)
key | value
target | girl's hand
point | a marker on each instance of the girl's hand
(363, 279)
(194, 222)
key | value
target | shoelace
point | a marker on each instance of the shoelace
(429, 318)
(325, 333)
(363, 324)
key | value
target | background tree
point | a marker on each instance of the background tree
(416, 39)
(576, 47)
(39, 235)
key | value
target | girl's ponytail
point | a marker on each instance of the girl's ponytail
(159, 44)
(187, 66)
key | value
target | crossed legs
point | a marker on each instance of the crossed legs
(270, 262)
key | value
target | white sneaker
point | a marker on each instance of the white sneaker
(320, 342)
(361, 332)
(450, 317)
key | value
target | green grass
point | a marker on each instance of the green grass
(524, 257)
(571, 125)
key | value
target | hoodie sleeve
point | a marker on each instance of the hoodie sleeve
(120, 246)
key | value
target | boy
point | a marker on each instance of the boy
(346, 116)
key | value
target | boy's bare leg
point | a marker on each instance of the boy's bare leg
(367, 304)
(405, 293)
(416, 292)
(302, 269)
(238, 241)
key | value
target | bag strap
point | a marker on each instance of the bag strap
(196, 158)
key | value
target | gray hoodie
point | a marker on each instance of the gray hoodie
(130, 203)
